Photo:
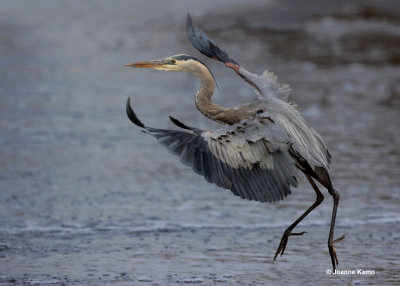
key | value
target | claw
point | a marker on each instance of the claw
(332, 251)
(298, 233)
(284, 241)
(340, 238)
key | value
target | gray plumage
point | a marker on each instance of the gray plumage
(236, 158)
(263, 149)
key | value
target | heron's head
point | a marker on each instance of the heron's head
(174, 63)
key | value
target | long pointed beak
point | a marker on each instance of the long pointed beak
(151, 64)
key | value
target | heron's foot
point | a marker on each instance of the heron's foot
(284, 241)
(332, 251)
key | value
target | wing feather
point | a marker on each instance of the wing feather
(204, 44)
(227, 159)
(265, 85)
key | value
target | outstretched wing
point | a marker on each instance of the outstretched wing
(250, 158)
(265, 85)
(204, 44)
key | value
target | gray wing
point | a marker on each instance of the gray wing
(265, 85)
(204, 44)
(250, 158)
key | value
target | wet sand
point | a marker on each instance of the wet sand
(87, 199)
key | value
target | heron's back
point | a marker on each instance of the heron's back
(306, 141)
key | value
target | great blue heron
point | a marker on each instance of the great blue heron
(265, 147)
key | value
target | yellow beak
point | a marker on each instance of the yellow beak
(151, 64)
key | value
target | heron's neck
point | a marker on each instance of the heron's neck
(210, 109)
(203, 96)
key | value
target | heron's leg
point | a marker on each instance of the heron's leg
(288, 232)
(331, 242)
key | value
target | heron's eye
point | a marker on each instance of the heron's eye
(173, 61)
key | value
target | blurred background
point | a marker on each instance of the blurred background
(88, 199)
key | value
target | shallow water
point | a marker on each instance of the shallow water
(86, 198)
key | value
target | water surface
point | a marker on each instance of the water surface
(87, 199)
